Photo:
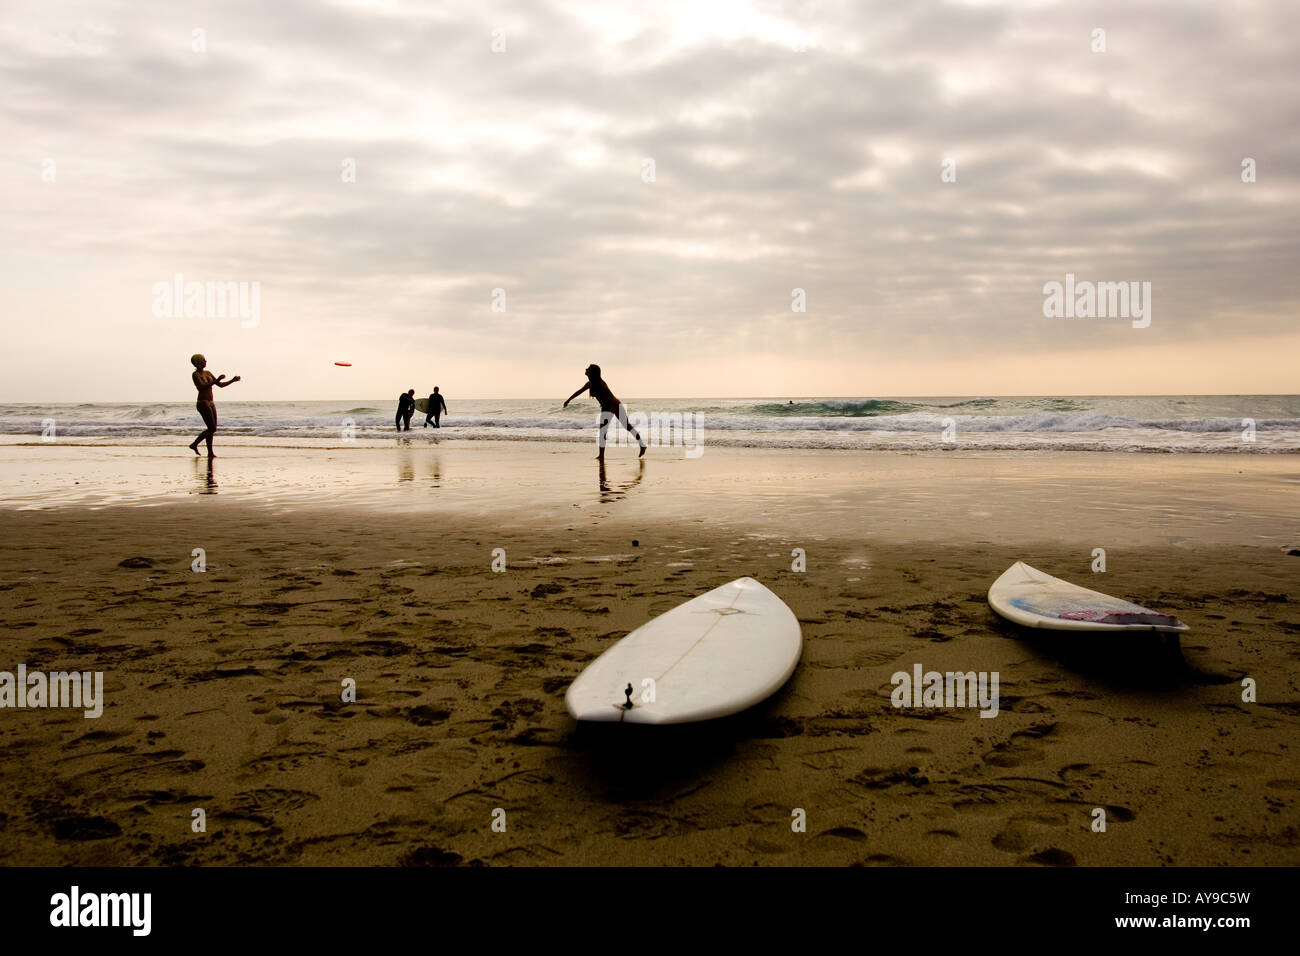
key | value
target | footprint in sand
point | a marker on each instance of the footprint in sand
(527, 650)
(512, 711)
(1052, 856)
(260, 806)
(430, 856)
(1019, 750)
(424, 715)
(1023, 831)
(882, 859)
(883, 779)
(556, 685)
(844, 833)
(765, 846)
(287, 760)
(86, 828)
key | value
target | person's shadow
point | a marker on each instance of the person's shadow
(609, 493)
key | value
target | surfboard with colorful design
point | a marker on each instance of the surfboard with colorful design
(1029, 597)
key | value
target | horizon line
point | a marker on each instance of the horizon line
(644, 398)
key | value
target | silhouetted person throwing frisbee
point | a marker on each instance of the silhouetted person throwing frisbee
(610, 408)
(203, 381)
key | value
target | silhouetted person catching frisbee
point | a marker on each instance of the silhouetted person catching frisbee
(203, 381)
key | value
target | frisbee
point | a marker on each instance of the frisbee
(344, 364)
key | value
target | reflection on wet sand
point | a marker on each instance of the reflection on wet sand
(207, 475)
(407, 471)
(608, 493)
(1145, 499)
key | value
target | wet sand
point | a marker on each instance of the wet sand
(223, 687)
(1075, 498)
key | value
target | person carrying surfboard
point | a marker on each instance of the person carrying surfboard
(405, 409)
(207, 407)
(437, 405)
(610, 408)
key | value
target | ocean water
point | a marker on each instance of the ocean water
(1177, 424)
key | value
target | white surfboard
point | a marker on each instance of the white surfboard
(712, 656)
(1027, 596)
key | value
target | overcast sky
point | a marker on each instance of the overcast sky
(795, 145)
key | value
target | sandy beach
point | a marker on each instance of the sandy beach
(222, 687)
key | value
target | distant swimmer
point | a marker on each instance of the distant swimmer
(610, 408)
(405, 409)
(203, 381)
(437, 405)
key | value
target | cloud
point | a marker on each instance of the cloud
(795, 145)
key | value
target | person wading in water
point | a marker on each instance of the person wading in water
(437, 406)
